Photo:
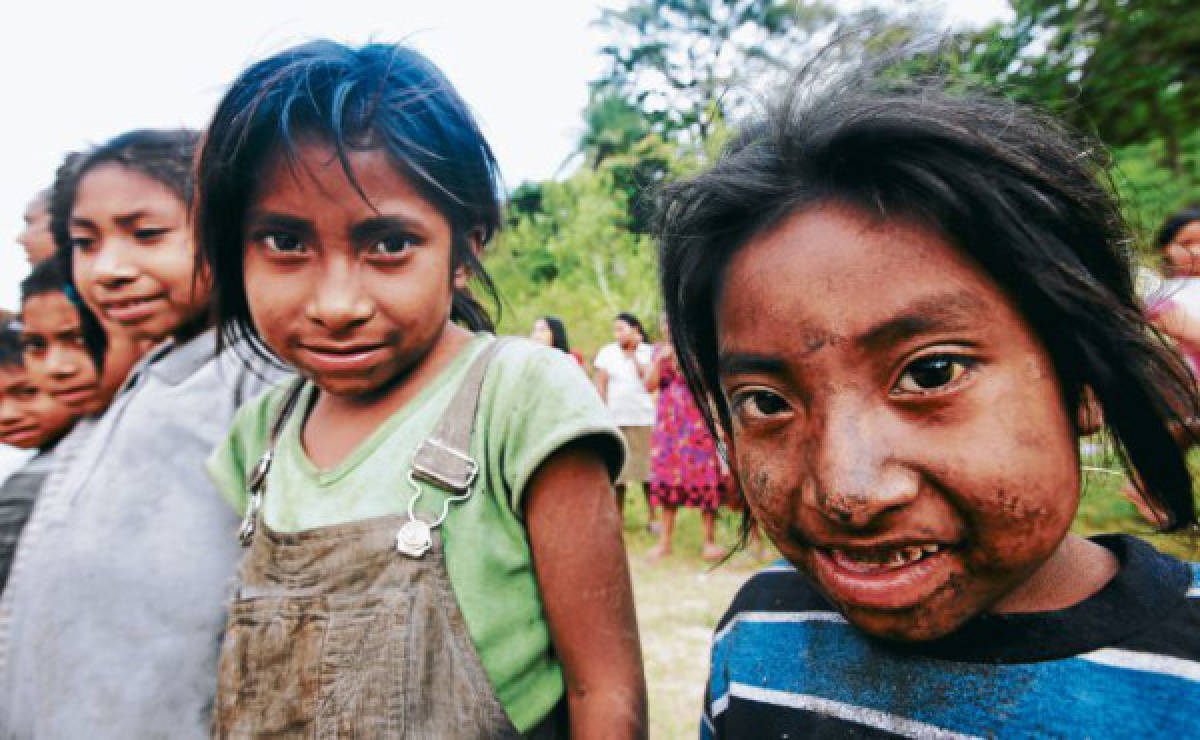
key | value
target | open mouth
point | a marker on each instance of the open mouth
(867, 561)
(887, 578)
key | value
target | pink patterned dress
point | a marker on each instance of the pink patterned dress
(684, 468)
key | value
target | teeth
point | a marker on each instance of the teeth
(896, 558)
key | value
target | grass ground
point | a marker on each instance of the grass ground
(680, 598)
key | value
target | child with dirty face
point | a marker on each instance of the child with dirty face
(901, 309)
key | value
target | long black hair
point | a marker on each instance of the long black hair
(558, 333)
(1009, 187)
(379, 96)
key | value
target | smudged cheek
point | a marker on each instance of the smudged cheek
(769, 493)
(1017, 527)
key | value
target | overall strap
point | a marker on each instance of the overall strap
(258, 477)
(443, 459)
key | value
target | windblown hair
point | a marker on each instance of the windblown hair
(1021, 196)
(47, 277)
(380, 96)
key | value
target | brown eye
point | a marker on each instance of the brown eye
(929, 374)
(760, 404)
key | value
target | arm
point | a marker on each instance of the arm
(653, 377)
(584, 579)
(1176, 323)
(601, 380)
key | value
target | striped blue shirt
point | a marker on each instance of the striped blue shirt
(1124, 662)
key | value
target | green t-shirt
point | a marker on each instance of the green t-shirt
(534, 401)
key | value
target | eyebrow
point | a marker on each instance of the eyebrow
(748, 363)
(381, 225)
(943, 312)
(362, 230)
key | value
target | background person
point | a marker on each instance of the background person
(620, 376)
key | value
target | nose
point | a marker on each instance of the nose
(858, 471)
(110, 267)
(338, 300)
(61, 363)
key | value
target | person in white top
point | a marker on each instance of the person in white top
(621, 369)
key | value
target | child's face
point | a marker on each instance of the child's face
(54, 352)
(29, 417)
(36, 237)
(134, 260)
(897, 428)
(353, 294)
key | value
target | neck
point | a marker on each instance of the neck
(1077, 570)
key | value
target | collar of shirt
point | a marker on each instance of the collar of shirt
(174, 363)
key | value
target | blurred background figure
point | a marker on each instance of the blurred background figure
(30, 419)
(620, 376)
(684, 467)
(36, 237)
(550, 331)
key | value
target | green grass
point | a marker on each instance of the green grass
(680, 598)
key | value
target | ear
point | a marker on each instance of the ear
(462, 273)
(1089, 416)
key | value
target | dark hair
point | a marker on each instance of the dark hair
(10, 347)
(379, 96)
(48, 277)
(633, 321)
(1007, 186)
(1174, 224)
(164, 156)
(558, 330)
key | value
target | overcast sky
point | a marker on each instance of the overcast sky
(75, 74)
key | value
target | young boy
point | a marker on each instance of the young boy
(30, 418)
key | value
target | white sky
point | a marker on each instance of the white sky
(76, 74)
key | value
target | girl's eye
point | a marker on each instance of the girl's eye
(932, 374)
(82, 243)
(760, 404)
(26, 392)
(149, 234)
(32, 344)
(391, 246)
(282, 243)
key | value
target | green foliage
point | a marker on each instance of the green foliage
(577, 248)
(576, 258)
(1149, 191)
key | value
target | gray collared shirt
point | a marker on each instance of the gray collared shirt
(117, 634)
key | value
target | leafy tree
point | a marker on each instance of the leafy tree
(684, 62)
(1128, 71)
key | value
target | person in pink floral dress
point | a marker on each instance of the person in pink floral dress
(684, 467)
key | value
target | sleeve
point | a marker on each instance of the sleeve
(540, 402)
(230, 463)
(603, 359)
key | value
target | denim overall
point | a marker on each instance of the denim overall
(353, 630)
